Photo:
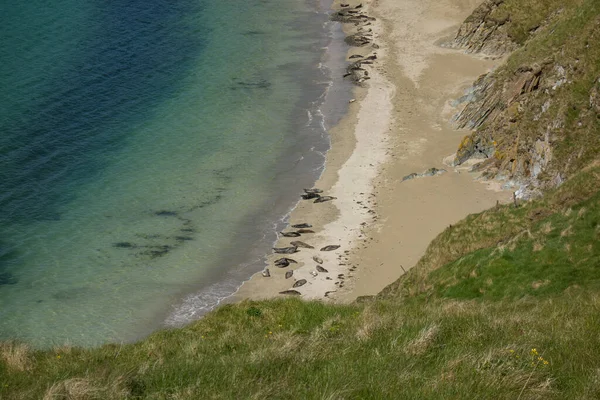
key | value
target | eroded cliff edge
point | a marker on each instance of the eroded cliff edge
(535, 120)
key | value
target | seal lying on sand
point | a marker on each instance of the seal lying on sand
(299, 283)
(290, 234)
(286, 250)
(302, 225)
(298, 243)
(291, 292)
(321, 269)
(284, 262)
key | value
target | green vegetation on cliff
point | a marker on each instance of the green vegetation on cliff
(503, 305)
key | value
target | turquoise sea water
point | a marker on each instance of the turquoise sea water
(148, 153)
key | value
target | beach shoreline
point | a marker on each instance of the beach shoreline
(397, 125)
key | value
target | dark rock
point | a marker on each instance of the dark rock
(284, 262)
(433, 171)
(266, 273)
(298, 243)
(318, 260)
(285, 250)
(291, 292)
(289, 274)
(315, 190)
(321, 269)
(305, 231)
(410, 176)
(323, 199)
(302, 225)
(330, 291)
(331, 247)
(299, 283)
(356, 56)
(290, 234)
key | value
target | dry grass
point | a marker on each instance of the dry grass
(423, 341)
(16, 356)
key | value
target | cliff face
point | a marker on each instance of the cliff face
(536, 119)
(485, 31)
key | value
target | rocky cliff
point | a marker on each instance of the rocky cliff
(536, 119)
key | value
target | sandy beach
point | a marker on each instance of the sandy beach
(399, 124)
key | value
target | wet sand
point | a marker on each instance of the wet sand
(398, 125)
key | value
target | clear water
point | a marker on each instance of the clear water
(148, 152)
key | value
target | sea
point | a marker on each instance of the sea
(150, 151)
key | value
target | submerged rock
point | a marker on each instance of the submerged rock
(124, 245)
(164, 213)
(6, 278)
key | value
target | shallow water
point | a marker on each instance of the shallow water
(149, 151)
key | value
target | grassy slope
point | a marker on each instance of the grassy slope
(462, 324)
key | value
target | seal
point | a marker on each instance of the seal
(321, 269)
(289, 274)
(284, 262)
(286, 250)
(302, 225)
(299, 283)
(323, 199)
(290, 234)
(298, 243)
(291, 292)
(330, 247)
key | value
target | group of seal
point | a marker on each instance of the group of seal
(315, 194)
(295, 246)
(360, 38)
